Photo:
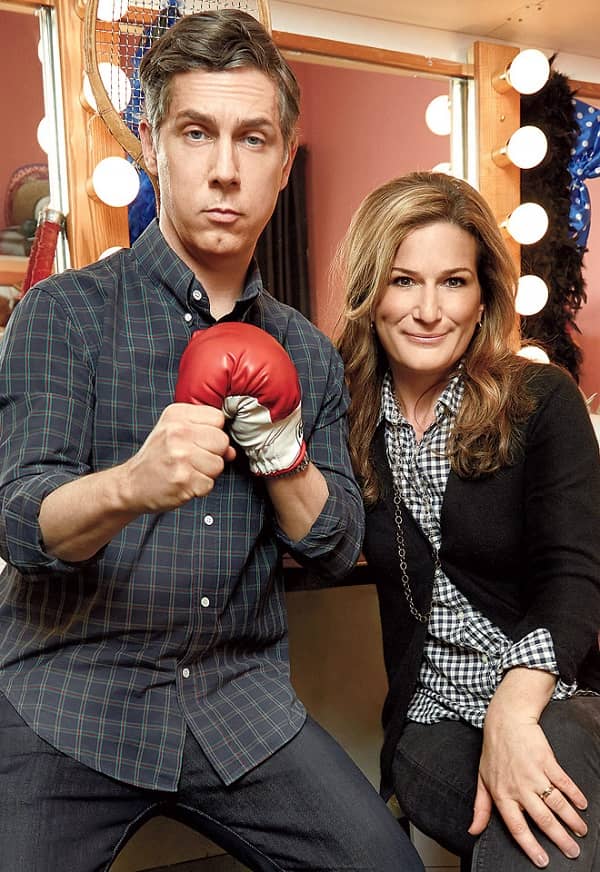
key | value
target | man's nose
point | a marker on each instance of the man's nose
(224, 169)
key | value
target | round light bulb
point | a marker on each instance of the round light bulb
(528, 223)
(532, 295)
(43, 135)
(527, 147)
(529, 71)
(534, 352)
(437, 116)
(108, 251)
(111, 10)
(116, 181)
(118, 87)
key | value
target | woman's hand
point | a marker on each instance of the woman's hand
(517, 766)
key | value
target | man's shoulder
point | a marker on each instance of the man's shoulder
(98, 279)
(291, 326)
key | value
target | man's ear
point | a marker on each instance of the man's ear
(291, 150)
(148, 148)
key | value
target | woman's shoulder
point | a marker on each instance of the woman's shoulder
(548, 381)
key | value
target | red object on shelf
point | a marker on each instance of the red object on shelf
(41, 257)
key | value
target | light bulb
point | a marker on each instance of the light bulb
(437, 115)
(108, 251)
(528, 223)
(528, 71)
(118, 87)
(43, 135)
(115, 181)
(532, 295)
(111, 10)
(444, 167)
(527, 147)
(534, 352)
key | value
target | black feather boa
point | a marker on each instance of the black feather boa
(556, 258)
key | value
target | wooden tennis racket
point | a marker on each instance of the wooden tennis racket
(116, 37)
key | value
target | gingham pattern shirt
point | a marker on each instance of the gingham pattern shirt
(179, 622)
(465, 656)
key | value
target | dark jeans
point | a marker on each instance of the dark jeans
(435, 778)
(307, 807)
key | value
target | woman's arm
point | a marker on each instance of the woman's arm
(517, 765)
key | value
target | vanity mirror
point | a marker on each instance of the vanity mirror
(33, 156)
(362, 122)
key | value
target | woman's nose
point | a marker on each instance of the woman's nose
(427, 307)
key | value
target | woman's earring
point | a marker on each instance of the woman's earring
(372, 326)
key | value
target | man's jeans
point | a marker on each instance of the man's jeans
(308, 807)
(435, 778)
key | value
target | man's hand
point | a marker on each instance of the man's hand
(181, 458)
(518, 765)
(246, 373)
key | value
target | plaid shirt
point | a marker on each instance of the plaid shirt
(465, 655)
(179, 622)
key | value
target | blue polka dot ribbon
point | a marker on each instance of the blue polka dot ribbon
(584, 164)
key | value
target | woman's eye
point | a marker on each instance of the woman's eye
(455, 282)
(402, 281)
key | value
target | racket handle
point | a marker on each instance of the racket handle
(43, 249)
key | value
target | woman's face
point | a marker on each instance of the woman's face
(429, 310)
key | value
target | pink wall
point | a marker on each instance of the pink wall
(361, 129)
(588, 319)
(22, 100)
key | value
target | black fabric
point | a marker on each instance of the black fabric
(523, 546)
(282, 250)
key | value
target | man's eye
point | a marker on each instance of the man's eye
(196, 135)
(254, 139)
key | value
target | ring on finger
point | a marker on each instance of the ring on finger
(546, 793)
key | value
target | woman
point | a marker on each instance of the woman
(482, 487)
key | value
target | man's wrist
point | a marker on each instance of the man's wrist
(296, 469)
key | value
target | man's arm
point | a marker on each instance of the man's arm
(298, 500)
(180, 460)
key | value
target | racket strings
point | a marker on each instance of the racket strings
(123, 35)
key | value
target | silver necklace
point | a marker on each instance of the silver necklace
(422, 617)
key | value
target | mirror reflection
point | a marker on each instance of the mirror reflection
(24, 184)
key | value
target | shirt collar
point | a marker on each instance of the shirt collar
(167, 270)
(448, 403)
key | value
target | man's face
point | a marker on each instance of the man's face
(221, 162)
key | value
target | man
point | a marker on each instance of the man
(144, 658)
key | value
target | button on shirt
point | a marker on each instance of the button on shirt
(465, 656)
(179, 622)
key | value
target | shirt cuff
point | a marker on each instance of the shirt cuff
(335, 538)
(535, 651)
(20, 534)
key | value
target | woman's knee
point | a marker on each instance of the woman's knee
(572, 728)
(435, 778)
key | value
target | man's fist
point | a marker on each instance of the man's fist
(245, 372)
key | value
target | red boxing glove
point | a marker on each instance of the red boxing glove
(244, 371)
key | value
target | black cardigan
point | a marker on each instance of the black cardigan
(522, 545)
